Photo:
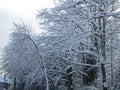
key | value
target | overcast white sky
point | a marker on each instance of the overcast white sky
(17, 11)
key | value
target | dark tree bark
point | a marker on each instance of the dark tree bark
(68, 79)
(14, 84)
(90, 71)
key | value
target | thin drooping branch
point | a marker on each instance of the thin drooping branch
(41, 62)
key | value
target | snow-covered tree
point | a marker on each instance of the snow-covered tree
(86, 22)
(21, 57)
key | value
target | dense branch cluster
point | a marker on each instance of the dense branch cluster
(79, 50)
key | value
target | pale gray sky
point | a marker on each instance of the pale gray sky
(18, 11)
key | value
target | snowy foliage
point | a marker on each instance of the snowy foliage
(82, 39)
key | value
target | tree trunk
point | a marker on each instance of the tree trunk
(104, 77)
(69, 79)
(103, 51)
(14, 84)
(111, 63)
